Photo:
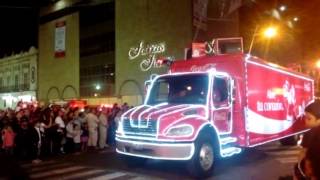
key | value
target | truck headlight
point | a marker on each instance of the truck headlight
(182, 130)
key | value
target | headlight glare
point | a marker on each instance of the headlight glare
(182, 130)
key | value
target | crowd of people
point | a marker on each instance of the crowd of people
(30, 132)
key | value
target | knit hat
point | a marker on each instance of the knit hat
(314, 108)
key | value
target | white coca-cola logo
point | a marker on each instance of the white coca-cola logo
(149, 51)
(307, 87)
(206, 67)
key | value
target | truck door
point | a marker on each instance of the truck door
(221, 108)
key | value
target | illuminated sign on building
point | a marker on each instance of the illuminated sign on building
(60, 38)
(148, 52)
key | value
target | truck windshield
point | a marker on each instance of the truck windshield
(179, 89)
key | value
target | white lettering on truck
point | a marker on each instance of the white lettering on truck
(269, 106)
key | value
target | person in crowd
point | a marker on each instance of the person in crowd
(22, 137)
(77, 118)
(84, 137)
(8, 140)
(124, 107)
(2, 116)
(103, 127)
(13, 120)
(92, 121)
(312, 158)
(77, 137)
(122, 110)
(59, 133)
(69, 145)
(82, 117)
(39, 127)
(27, 141)
(309, 167)
(49, 131)
(112, 124)
(312, 121)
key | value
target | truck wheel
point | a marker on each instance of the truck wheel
(290, 141)
(132, 161)
(204, 157)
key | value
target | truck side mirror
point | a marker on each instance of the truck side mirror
(165, 61)
(148, 82)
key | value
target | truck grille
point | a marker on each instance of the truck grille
(148, 128)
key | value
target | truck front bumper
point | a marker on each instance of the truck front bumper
(155, 150)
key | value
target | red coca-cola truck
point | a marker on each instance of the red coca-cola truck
(214, 106)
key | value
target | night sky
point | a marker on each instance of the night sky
(18, 30)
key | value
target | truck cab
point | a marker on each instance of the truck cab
(181, 115)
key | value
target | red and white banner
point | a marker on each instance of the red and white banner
(60, 39)
(198, 50)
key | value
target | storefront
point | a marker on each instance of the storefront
(18, 78)
(10, 100)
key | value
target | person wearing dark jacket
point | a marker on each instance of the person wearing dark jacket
(26, 141)
(312, 121)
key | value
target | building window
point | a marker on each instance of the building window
(102, 76)
(26, 80)
(97, 46)
(16, 82)
(1, 85)
(8, 81)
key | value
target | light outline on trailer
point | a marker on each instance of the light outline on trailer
(246, 109)
(258, 144)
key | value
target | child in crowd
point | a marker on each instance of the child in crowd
(8, 140)
(84, 137)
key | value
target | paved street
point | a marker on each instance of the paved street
(265, 162)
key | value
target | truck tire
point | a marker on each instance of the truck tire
(204, 158)
(132, 161)
(290, 141)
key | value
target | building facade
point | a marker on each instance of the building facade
(109, 48)
(18, 78)
(59, 68)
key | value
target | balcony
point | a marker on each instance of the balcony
(20, 87)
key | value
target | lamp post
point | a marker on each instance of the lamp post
(253, 37)
(316, 75)
(269, 33)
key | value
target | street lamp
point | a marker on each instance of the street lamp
(269, 33)
(283, 8)
(318, 64)
(98, 87)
